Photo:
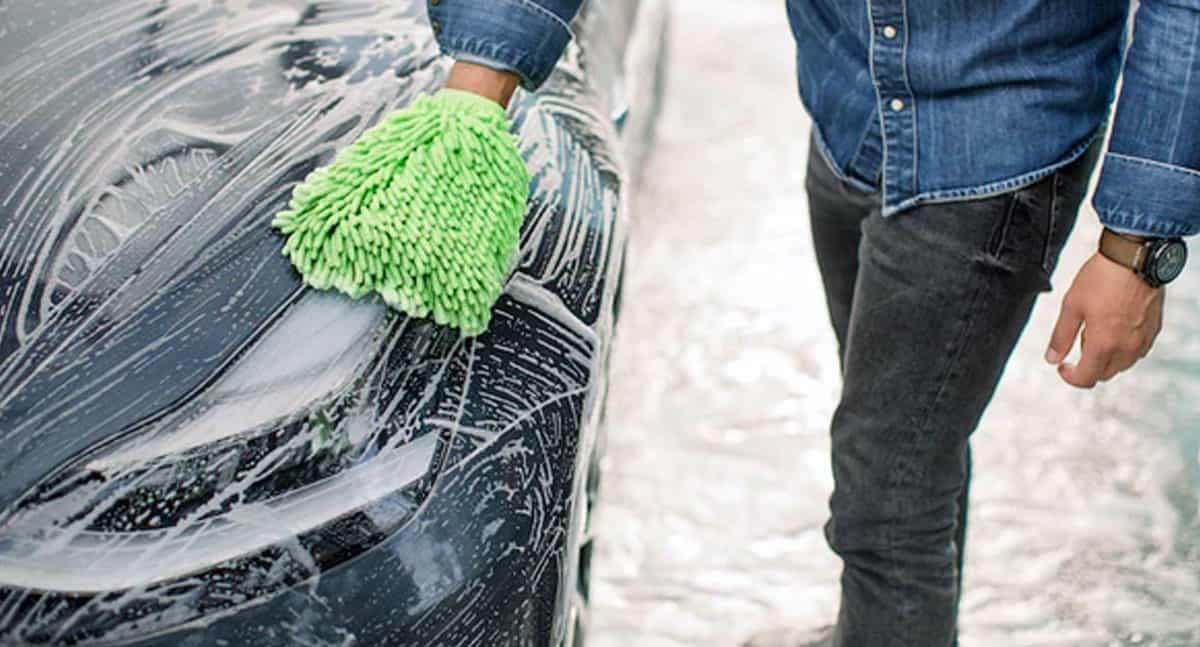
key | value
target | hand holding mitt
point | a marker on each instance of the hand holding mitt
(424, 209)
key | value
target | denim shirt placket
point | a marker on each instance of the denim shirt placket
(896, 107)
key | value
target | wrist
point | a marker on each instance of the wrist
(1157, 261)
(1137, 238)
(496, 85)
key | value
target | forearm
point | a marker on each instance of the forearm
(521, 39)
(1150, 183)
(496, 85)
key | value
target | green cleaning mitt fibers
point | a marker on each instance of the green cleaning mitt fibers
(424, 209)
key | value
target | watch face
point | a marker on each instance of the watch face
(1169, 261)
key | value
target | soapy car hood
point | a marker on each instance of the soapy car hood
(177, 412)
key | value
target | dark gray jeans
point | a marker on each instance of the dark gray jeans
(927, 307)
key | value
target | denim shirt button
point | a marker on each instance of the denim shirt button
(435, 2)
(889, 32)
(437, 27)
(897, 105)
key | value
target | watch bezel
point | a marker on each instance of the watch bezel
(1154, 261)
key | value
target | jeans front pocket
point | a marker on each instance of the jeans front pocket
(1023, 237)
(1040, 218)
(1069, 188)
(1050, 254)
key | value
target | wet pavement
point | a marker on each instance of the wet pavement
(1084, 523)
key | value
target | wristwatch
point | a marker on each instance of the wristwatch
(1157, 260)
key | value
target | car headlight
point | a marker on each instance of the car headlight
(289, 464)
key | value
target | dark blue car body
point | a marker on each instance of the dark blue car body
(195, 449)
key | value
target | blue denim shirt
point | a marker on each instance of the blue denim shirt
(935, 100)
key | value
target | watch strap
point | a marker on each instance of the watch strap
(1124, 251)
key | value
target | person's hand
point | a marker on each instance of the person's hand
(1120, 315)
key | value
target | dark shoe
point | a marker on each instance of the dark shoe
(787, 637)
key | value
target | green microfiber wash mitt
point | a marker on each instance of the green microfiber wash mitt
(424, 209)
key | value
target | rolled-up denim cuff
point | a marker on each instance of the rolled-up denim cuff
(1148, 197)
(511, 35)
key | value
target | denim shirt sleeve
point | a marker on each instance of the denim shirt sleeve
(526, 37)
(1150, 183)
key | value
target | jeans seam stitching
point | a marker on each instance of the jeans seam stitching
(996, 250)
(923, 428)
(1055, 206)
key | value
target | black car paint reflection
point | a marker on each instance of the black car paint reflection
(198, 450)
